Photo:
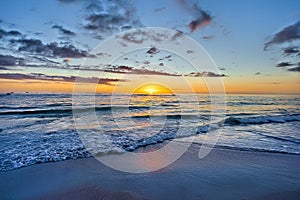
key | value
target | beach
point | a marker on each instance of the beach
(223, 174)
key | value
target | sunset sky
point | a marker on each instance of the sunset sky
(45, 46)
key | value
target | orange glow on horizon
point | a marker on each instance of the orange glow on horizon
(232, 86)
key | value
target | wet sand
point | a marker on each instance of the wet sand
(223, 174)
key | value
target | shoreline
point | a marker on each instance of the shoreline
(224, 173)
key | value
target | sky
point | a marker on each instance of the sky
(248, 46)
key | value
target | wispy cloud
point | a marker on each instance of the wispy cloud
(139, 36)
(8, 60)
(287, 34)
(291, 35)
(288, 51)
(137, 71)
(289, 66)
(44, 77)
(11, 33)
(63, 30)
(205, 74)
(294, 69)
(284, 64)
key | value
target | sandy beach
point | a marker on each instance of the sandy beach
(223, 174)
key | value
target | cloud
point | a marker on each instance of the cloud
(291, 51)
(153, 50)
(201, 17)
(287, 34)
(257, 73)
(66, 60)
(110, 16)
(11, 33)
(205, 74)
(44, 77)
(208, 37)
(131, 70)
(203, 20)
(53, 49)
(284, 64)
(294, 69)
(8, 60)
(139, 36)
(63, 30)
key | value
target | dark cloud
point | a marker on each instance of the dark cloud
(63, 30)
(201, 17)
(11, 33)
(287, 34)
(153, 50)
(289, 66)
(42, 59)
(203, 20)
(139, 36)
(284, 64)
(131, 70)
(53, 49)
(4, 68)
(291, 51)
(205, 74)
(105, 17)
(115, 16)
(8, 60)
(294, 69)
(44, 77)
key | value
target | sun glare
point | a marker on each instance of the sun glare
(152, 89)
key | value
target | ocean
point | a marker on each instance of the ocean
(39, 128)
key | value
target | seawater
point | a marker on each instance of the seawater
(37, 128)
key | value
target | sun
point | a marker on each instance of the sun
(152, 89)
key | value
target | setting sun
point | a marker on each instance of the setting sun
(152, 89)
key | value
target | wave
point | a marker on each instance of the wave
(69, 110)
(169, 116)
(261, 119)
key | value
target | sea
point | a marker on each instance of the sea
(40, 128)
